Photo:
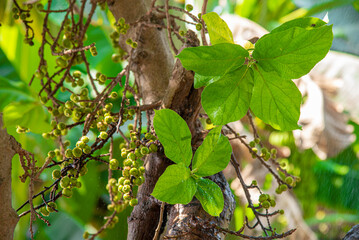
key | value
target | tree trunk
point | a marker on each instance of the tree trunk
(8, 216)
(160, 79)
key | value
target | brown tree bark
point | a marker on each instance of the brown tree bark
(8, 216)
(159, 78)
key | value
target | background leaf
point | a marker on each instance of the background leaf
(175, 185)
(26, 114)
(213, 155)
(174, 135)
(12, 91)
(217, 29)
(292, 53)
(275, 100)
(213, 60)
(228, 99)
(210, 196)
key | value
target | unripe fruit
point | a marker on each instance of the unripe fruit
(126, 188)
(288, 180)
(51, 154)
(80, 144)
(263, 197)
(265, 204)
(77, 152)
(189, 7)
(114, 164)
(272, 203)
(103, 135)
(128, 162)
(85, 139)
(56, 174)
(199, 27)
(144, 150)
(133, 202)
(67, 192)
(65, 182)
(153, 148)
(76, 74)
(87, 149)
(44, 211)
(131, 156)
(51, 207)
(68, 153)
(121, 180)
(86, 235)
(61, 126)
(127, 196)
(283, 187)
(134, 172)
(142, 169)
(281, 211)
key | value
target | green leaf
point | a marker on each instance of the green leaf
(202, 81)
(213, 60)
(228, 99)
(26, 114)
(275, 100)
(213, 155)
(218, 29)
(12, 91)
(210, 195)
(175, 185)
(174, 134)
(293, 52)
(307, 23)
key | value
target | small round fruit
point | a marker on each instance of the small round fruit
(66, 192)
(77, 152)
(51, 207)
(133, 202)
(44, 211)
(103, 135)
(56, 174)
(265, 204)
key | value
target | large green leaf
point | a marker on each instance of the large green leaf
(228, 99)
(293, 52)
(308, 23)
(218, 29)
(174, 134)
(12, 91)
(275, 100)
(202, 81)
(175, 185)
(210, 195)
(213, 155)
(213, 60)
(26, 114)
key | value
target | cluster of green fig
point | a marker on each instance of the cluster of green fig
(132, 170)
(288, 181)
(121, 27)
(266, 201)
(264, 153)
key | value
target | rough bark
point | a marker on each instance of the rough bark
(8, 216)
(352, 234)
(160, 79)
(152, 60)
